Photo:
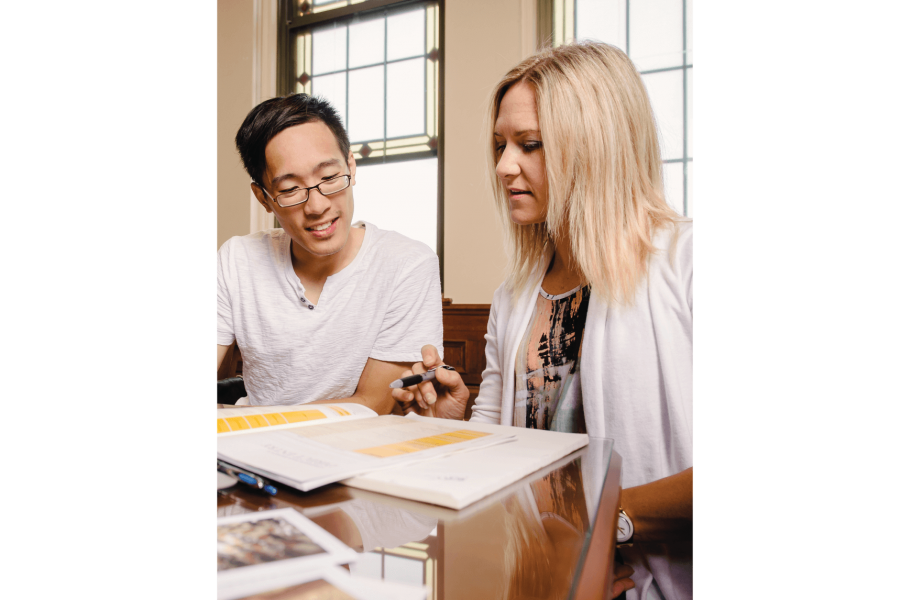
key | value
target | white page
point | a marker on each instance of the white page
(460, 479)
(309, 457)
(230, 420)
(254, 545)
(223, 482)
(324, 581)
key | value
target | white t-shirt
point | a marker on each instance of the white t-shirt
(386, 304)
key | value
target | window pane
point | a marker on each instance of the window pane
(334, 89)
(406, 34)
(404, 570)
(601, 20)
(367, 42)
(673, 178)
(690, 189)
(329, 49)
(689, 28)
(690, 111)
(406, 98)
(366, 104)
(666, 97)
(400, 196)
(656, 33)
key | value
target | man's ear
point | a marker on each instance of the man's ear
(351, 164)
(260, 196)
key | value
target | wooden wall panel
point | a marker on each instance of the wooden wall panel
(464, 328)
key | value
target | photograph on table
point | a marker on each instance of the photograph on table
(258, 546)
(255, 542)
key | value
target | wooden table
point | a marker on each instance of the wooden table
(551, 535)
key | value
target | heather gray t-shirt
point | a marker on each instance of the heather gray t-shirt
(386, 305)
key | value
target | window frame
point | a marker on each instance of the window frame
(290, 22)
(562, 30)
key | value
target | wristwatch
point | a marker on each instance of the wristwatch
(624, 529)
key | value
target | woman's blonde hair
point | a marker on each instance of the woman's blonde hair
(603, 166)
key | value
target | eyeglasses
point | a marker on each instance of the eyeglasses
(299, 195)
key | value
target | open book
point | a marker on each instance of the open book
(308, 446)
(458, 480)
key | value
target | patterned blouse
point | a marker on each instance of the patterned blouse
(548, 385)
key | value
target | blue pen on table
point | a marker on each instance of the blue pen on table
(415, 379)
(251, 479)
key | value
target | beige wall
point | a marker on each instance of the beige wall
(235, 78)
(483, 41)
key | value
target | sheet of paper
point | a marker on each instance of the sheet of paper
(266, 544)
(309, 457)
(232, 421)
(460, 479)
(332, 583)
(223, 481)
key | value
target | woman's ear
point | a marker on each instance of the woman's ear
(260, 196)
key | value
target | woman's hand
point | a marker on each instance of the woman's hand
(445, 397)
(622, 578)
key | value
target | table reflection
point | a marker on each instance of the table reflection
(527, 541)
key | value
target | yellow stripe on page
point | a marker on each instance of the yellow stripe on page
(425, 443)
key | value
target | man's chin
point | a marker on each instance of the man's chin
(324, 248)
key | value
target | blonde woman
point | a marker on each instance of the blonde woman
(592, 331)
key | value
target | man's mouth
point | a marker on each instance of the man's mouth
(323, 227)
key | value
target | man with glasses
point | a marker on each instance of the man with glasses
(321, 310)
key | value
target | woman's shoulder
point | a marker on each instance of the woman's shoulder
(675, 242)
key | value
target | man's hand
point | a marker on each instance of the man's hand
(446, 400)
(622, 579)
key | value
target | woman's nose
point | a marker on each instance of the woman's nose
(507, 165)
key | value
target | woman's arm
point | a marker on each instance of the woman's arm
(662, 510)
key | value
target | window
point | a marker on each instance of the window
(656, 35)
(379, 63)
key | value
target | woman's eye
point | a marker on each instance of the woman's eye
(532, 146)
(500, 149)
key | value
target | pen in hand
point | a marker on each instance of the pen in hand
(416, 379)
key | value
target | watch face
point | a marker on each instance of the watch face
(624, 530)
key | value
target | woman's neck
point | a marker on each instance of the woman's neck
(563, 275)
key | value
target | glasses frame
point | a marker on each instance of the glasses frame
(346, 179)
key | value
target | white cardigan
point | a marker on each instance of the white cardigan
(636, 365)
(636, 378)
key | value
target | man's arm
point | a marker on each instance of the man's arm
(374, 389)
(221, 351)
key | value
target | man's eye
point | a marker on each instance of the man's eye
(330, 177)
(290, 192)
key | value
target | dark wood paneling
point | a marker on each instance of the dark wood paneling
(464, 328)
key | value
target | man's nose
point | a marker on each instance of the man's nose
(317, 203)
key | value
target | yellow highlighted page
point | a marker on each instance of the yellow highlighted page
(241, 419)
(425, 443)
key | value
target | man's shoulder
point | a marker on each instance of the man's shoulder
(396, 248)
(261, 242)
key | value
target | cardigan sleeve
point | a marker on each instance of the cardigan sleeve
(487, 404)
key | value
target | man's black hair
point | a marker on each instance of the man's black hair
(273, 116)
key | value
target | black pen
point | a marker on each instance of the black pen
(251, 479)
(414, 379)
